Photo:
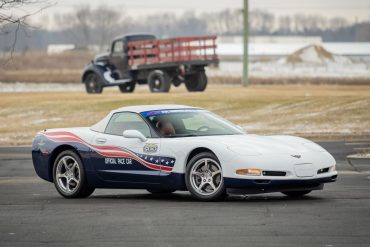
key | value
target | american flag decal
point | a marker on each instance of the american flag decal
(150, 161)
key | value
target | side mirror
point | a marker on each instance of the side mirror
(134, 134)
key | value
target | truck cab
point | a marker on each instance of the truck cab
(118, 56)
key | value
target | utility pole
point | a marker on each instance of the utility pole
(245, 44)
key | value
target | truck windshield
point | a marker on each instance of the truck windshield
(189, 122)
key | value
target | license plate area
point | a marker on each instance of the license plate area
(304, 170)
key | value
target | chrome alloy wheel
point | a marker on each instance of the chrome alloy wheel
(206, 176)
(68, 174)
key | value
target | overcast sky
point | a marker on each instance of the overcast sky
(350, 9)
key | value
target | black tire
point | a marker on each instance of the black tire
(127, 88)
(82, 189)
(196, 82)
(93, 83)
(296, 193)
(217, 194)
(159, 81)
(159, 191)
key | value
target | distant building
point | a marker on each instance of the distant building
(272, 39)
(59, 48)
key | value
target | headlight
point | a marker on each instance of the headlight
(250, 172)
(332, 168)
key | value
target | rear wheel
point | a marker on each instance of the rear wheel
(196, 82)
(204, 177)
(127, 87)
(69, 176)
(93, 84)
(159, 81)
(296, 193)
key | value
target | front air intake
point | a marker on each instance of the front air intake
(274, 173)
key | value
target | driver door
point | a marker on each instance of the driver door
(119, 59)
(121, 159)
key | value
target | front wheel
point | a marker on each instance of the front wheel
(159, 81)
(296, 193)
(69, 176)
(204, 177)
(93, 84)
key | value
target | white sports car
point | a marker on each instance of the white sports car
(164, 148)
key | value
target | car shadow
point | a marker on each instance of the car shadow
(186, 197)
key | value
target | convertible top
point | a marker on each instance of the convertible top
(100, 126)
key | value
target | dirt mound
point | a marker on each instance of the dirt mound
(315, 54)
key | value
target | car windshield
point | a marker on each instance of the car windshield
(189, 122)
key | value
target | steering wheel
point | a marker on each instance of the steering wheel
(203, 128)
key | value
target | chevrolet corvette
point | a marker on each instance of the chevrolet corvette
(165, 148)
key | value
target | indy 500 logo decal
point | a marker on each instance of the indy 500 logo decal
(150, 148)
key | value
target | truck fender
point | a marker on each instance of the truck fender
(102, 70)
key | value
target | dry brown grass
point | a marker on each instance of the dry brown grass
(42, 61)
(40, 67)
(311, 111)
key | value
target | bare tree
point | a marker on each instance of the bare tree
(86, 26)
(19, 19)
(78, 25)
(104, 21)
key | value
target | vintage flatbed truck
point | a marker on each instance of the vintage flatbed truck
(160, 63)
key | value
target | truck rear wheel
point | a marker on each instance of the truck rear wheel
(196, 82)
(159, 81)
(127, 88)
(93, 83)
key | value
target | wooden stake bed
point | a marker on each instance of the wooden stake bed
(172, 52)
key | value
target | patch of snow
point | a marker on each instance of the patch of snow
(40, 87)
(330, 70)
(360, 156)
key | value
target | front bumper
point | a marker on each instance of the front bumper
(252, 186)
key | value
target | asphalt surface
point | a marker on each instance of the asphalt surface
(32, 213)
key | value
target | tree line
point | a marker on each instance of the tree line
(97, 26)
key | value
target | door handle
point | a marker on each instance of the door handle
(100, 140)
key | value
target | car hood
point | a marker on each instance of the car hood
(255, 144)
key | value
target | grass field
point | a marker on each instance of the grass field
(318, 112)
(67, 67)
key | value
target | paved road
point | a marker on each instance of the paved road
(32, 213)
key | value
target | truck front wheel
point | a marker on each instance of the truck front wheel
(93, 84)
(159, 81)
(196, 82)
